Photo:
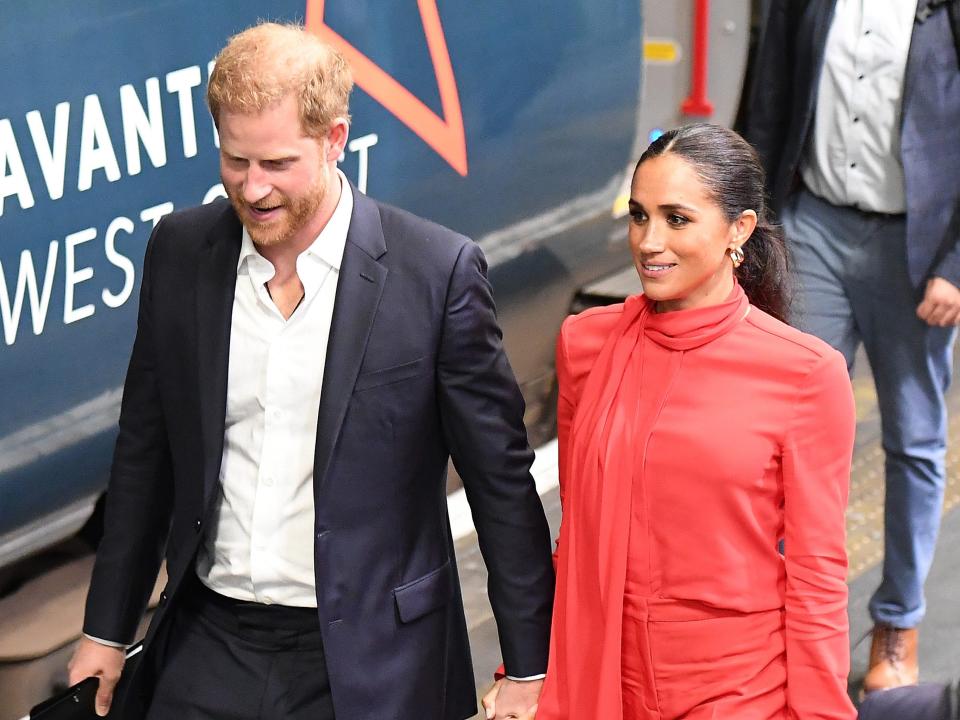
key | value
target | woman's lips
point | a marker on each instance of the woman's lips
(652, 271)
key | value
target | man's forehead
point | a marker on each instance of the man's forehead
(273, 121)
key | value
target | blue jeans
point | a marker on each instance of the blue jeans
(853, 287)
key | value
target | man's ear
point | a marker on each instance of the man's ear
(337, 139)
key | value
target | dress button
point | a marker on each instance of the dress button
(197, 524)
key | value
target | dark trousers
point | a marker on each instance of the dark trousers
(232, 660)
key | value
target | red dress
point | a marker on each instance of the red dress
(692, 443)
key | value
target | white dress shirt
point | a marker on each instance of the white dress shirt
(261, 545)
(854, 153)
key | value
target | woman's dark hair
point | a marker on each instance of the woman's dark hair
(734, 178)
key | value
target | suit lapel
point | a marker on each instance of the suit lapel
(813, 28)
(822, 29)
(915, 72)
(216, 284)
(359, 289)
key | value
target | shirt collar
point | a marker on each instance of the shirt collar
(328, 245)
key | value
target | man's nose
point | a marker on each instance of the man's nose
(256, 184)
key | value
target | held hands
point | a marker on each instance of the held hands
(941, 303)
(93, 659)
(512, 699)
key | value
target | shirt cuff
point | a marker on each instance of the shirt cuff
(529, 678)
(108, 643)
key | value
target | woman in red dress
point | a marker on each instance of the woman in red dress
(700, 434)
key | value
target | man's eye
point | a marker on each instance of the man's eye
(277, 164)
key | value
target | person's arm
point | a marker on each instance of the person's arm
(940, 306)
(566, 406)
(482, 418)
(768, 112)
(817, 454)
(137, 513)
(92, 658)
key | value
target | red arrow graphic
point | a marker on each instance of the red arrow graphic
(444, 134)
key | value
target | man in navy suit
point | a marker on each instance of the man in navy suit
(306, 361)
(855, 110)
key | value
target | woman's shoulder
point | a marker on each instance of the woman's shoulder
(581, 339)
(585, 332)
(786, 345)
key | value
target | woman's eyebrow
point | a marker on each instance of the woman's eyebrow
(677, 206)
(634, 205)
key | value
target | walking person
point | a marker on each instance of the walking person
(306, 361)
(697, 432)
(855, 111)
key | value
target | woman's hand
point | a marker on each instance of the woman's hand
(512, 699)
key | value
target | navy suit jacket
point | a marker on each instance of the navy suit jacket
(415, 373)
(780, 114)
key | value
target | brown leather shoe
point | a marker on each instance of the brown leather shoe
(893, 658)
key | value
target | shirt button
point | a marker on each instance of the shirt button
(268, 481)
(277, 414)
(267, 600)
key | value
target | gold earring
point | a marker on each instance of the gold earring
(736, 255)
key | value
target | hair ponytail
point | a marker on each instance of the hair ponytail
(764, 274)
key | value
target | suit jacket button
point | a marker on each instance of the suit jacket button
(163, 598)
(196, 525)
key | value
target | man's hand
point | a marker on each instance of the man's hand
(941, 303)
(93, 659)
(512, 699)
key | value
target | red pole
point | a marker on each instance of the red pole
(697, 102)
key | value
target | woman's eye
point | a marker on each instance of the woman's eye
(676, 220)
(638, 216)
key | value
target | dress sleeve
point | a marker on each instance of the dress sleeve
(566, 406)
(816, 473)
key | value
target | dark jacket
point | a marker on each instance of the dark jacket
(415, 372)
(780, 114)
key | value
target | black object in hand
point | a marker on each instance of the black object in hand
(74, 703)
